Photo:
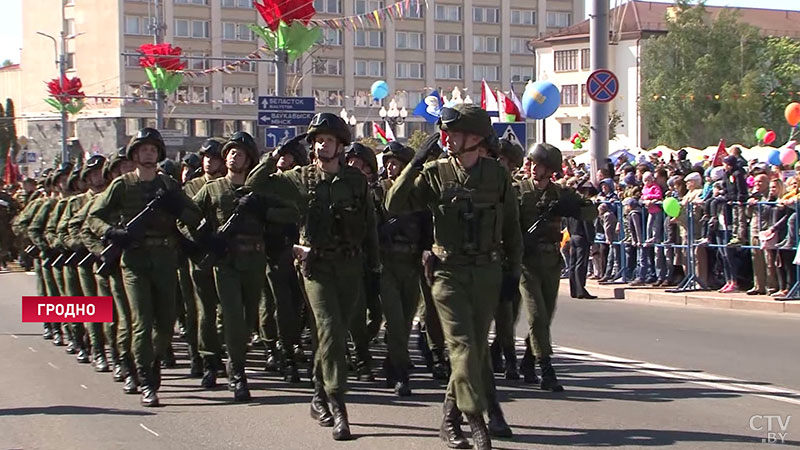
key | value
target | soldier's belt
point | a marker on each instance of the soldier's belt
(477, 259)
(336, 253)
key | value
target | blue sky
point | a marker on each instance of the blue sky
(11, 21)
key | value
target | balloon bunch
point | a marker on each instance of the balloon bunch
(577, 141)
(765, 136)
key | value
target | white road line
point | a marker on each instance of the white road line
(148, 430)
(52, 365)
(15, 336)
(32, 349)
(84, 386)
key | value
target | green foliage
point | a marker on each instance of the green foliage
(7, 63)
(417, 138)
(371, 142)
(614, 120)
(705, 80)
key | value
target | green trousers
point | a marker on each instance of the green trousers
(400, 295)
(206, 302)
(189, 305)
(333, 288)
(72, 287)
(95, 329)
(150, 278)
(41, 290)
(282, 282)
(118, 333)
(466, 297)
(50, 289)
(541, 277)
(239, 279)
(358, 329)
(505, 320)
(267, 322)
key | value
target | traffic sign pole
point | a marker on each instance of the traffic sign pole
(598, 117)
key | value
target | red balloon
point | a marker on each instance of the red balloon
(769, 138)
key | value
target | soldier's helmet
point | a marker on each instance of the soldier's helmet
(147, 136)
(513, 152)
(74, 177)
(44, 177)
(94, 162)
(192, 161)
(471, 119)
(242, 140)
(114, 159)
(171, 168)
(328, 123)
(397, 151)
(547, 155)
(364, 153)
(212, 147)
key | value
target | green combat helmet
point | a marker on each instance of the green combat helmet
(364, 153)
(513, 152)
(328, 123)
(470, 119)
(94, 162)
(397, 151)
(147, 136)
(171, 168)
(114, 159)
(546, 155)
(212, 147)
(244, 141)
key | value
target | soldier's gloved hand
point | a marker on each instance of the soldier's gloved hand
(429, 147)
(250, 204)
(510, 287)
(173, 202)
(118, 236)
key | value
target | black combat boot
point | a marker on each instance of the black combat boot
(401, 387)
(549, 380)
(241, 393)
(388, 372)
(496, 353)
(47, 334)
(116, 366)
(195, 364)
(83, 356)
(58, 338)
(528, 367)
(231, 376)
(441, 366)
(169, 361)
(149, 396)
(290, 373)
(363, 369)
(131, 385)
(450, 431)
(319, 406)
(511, 364)
(71, 347)
(299, 354)
(100, 361)
(498, 427)
(341, 425)
(274, 363)
(209, 380)
(480, 434)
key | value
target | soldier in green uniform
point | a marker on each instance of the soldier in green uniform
(149, 257)
(205, 291)
(337, 230)
(542, 205)
(24, 197)
(476, 230)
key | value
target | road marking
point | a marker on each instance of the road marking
(148, 430)
(52, 365)
(15, 336)
(84, 386)
(32, 349)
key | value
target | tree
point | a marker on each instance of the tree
(782, 76)
(4, 141)
(7, 63)
(614, 120)
(12, 130)
(370, 142)
(417, 138)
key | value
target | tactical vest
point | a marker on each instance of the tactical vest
(136, 196)
(468, 222)
(225, 198)
(532, 204)
(397, 234)
(336, 213)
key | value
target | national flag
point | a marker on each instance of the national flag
(488, 100)
(389, 133)
(378, 133)
(518, 104)
(428, 108)
(720, 154)
(11, 174)
(508, 111)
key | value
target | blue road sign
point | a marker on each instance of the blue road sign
(276, 136)
(284, 118)
(602, 86)
(513, 131)
(286, 103)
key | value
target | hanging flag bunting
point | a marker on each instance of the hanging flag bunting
(378, 133)
(399, 9)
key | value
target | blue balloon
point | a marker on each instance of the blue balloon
(774, 157)
(379, 90)
(541, 99)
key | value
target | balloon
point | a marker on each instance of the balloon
(760, 133)
(541, 99)
(769, 138)
(788, 156)
(577, 145)
(792, 113)
(774, 157)
(379, 90)
(672, 207)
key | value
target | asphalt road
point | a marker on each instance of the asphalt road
(637, 376)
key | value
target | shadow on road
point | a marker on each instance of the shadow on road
(70, 410)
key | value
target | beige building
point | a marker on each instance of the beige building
(448, 44)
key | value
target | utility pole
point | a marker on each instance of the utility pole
(62, 73)
(281, 68)
(158, 34)
(598, 44)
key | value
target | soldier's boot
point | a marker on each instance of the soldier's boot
(549, 380)
(319, 406)
(496, 353)
(480, 434)
(58, 337)
(220, 366)
(100, 361)
(131, 385)
(401, 387)
(388, 372)
(498, 426)
(364, 367)
(425, 350)
(241, 393)
(47, 334)
(231, 376)
(116, 366)
(528, 367)
(273, 358)
(441, 366)
(299, 354)
(341, 424)
(450, 431)
(72, 347)
(169, 359)
(209, 380)
(83, 354)
(510, 354)
(195, 364)
(149, 396)
(290, 372)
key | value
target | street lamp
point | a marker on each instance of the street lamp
(393, 115)
(349, 119)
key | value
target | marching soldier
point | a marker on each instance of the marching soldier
(337, 230)
(476, 229)
(149, 259)
(542, 205)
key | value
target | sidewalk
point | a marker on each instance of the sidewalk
(707, 299)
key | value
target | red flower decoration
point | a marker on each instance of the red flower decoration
(65, 90)
(275, 11)
(161, 55)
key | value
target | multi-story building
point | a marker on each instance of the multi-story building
(442, 44)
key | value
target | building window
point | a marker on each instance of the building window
(191, 2)
(69, 25)
(247, 96)
(135, 25)
(228, 127)
(566, 131)
(369, 38)
(566, 60)
(200, 29)
(368, 68)
(181, 126)
(485, 44)
(558, 19)
(584, 96)
(331, 37)
(229, 95)
(586, 60)
(409, 70)
(198, 64)
(328, 97)
(328, 6)
(245, 4)
(191, 28)
(488, 73)
(199, 94)
(448, 42)
(364, 99)
(449, 72)
(485, 15)
(449, 13)
(408, 40)
(416, 10)
(519, 46)
(523, 17)
(201, 128)
(181, 95)
(132, 126)
(133, 59)
(323, 66)
(70, 61)
(248, 126)
(365, 6)
(236, 32)
(521, 73)
(569, 95)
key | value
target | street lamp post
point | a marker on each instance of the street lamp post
(393, 116)
(349, 119)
